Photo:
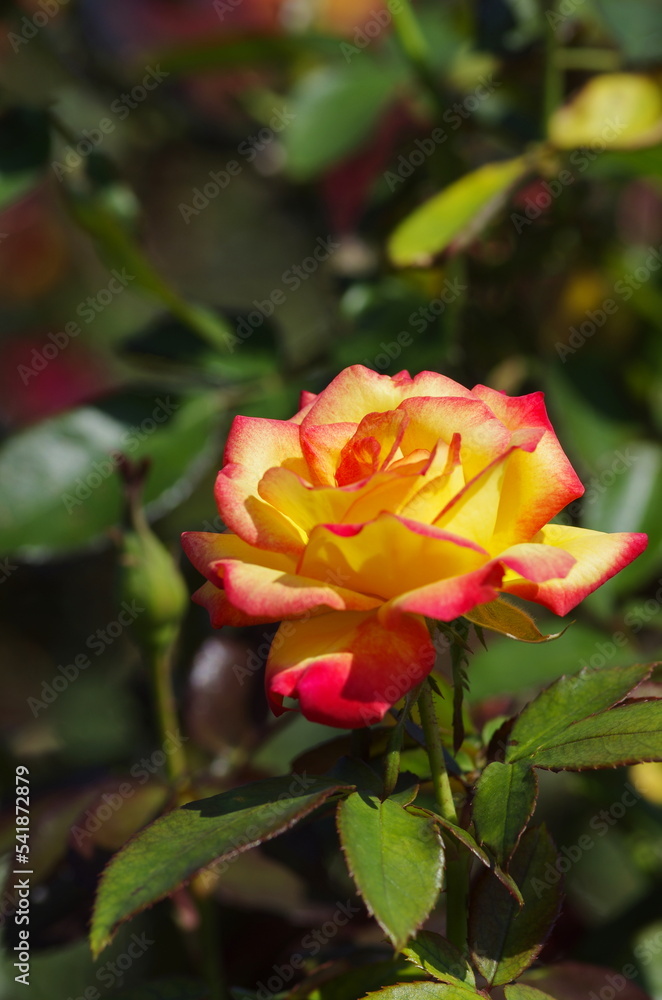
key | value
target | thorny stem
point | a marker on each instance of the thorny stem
(435, 749)
(394, 748)
(457, 869)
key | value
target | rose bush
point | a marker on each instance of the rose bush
(384, 500)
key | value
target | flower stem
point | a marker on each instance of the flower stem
(166, 711)
(161, 657)
(457, 866)
(392, 760)
(457, 898)
(435, 749)
(394, 748)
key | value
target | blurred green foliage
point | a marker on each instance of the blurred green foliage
(206, 207)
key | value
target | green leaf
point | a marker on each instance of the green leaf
(519, 991)
(439, 958)
(546, 719)
(176, 846)
(335, 109)
(627, 734)
(503, 805)
(509, 620)
(455, 215)
(463, 837)
(423, 990)
(504, 939)
(396, 860)
(60, 485)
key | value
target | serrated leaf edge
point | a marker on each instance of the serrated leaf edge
(564, 677)
(541, 943)
(98, 946)
(507, 860)
(397, 944)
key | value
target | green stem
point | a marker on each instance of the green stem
(415, 47)
(457, 865)
(166, 711)
(394, 748)
(161, 656)
(392, 760)
(457, 897)
(435, 749)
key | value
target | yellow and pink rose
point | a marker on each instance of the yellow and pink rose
(383, 501)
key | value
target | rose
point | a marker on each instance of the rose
(382, 501)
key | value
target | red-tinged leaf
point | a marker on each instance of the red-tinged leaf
(626, 734)
(463, 837)
(568, 700)
(175, 847)
(503, 805)
(505, 939)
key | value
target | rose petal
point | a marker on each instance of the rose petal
(373, 446)
(538, 563)
(221, 612)
(322, 446)
(255, 445)
(388, 556)
(448, 599)
(269, 593)
(483, 437)
(598, 555)
(346, 668)
(206, 547)
(358, 390)
(539, 483)
(307, 506)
